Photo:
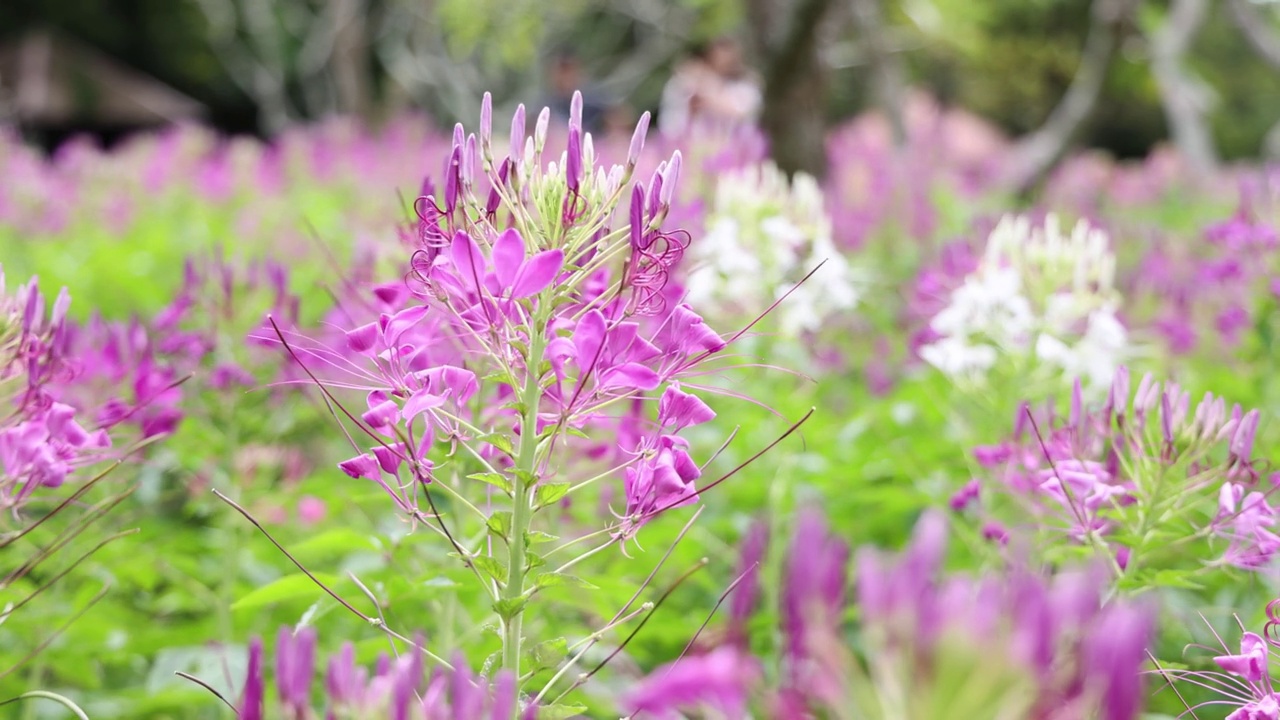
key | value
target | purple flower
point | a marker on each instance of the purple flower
(680, 410)
(816, 575)
(719, 681)
(252, 700)
(1251, 662)
(295, 664)
(662, 479)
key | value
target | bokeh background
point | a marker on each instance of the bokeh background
(249, 66)
(185, 166)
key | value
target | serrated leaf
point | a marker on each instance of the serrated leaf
(508, 608)
(500, 524)
(533, 560)
(560, 711)
(552, 579)
(499, 441)
(533, 537)
(575, 432)
(500, 376)
(491, 662)
(498, 480)
(289, 587)
(547, 654)
(548, 493)
(493, 566)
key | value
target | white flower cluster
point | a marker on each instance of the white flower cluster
(1036, 293)
(763, 235)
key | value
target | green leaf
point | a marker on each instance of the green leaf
(336, 542)
(575, 432)
(493, 566)
(533, 537)
(500, 376)
(508, 608)
(533, 560)
(560, 711)
(500, 524)
(491, 662)
(548, 493)
(500, 441)
(547, 654)
(552, 579)
(498, 480)
(289, 587)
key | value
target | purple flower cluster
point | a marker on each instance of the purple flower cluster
(1082, 657)
(398, 688)
(527, 314)
(1214, 286)
(41, 439)
(1044, 648)
(1244, 681)
(1115, 474)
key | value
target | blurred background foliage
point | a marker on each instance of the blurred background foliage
(258, 66)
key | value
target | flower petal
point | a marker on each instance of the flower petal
(468, 261)
(538, 273)
(508, 257)
(419, 403)
(631, 375)
(588, 338)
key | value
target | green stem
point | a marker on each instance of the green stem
(522, 500)
(45, 695)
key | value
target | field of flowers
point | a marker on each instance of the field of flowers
(515, 422)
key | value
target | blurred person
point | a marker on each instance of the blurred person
(567, 76)
(619, 122)
(714, 87)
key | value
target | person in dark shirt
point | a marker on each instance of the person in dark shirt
(566, 76)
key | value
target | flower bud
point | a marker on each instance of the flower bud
(669, 179)
(540, 130)
(517, 134)
(486, 122)
(637, 140)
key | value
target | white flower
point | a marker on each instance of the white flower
(763, 235)
(1036, 293)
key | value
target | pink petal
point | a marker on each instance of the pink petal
(362, 338)
(682, 409)
(538, 273)
(508, 257)
(558, 350)
(468, 261)
(419, 403)
(360, 466)
(446, 379)
(588, 337)
(631, 375)
(1251, 663)
(389, 457)
(400, 323)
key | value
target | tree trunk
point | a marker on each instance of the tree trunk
(1267, 45)
(1036, 154)
(1185, 99)
(795, 82)
(888, 78)
(350, 61)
